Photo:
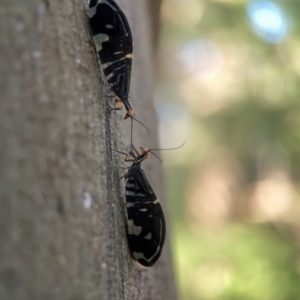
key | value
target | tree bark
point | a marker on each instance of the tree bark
(62, 214)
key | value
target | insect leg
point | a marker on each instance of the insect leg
(118, 104)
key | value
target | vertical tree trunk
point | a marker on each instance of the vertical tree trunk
(62, 214)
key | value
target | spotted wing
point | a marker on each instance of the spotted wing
(146, 221)
(113, 40)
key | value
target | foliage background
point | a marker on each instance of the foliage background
(229, 85)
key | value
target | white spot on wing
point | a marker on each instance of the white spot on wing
(156, 201)
(137, 230)
(109, 76)
(104, 66)
(99, 39)
(109, 26)
(139, 255)
(130, 193)
(132, 229)
(130, 185)
(91, 11)
(148, 236)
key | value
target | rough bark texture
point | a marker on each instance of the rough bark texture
(62, 215)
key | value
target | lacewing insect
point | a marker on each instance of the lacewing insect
(146, 226)
(113, 40)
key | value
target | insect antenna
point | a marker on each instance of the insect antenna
(168, 148)
(157, 156)
(140, 123)
(150, 150)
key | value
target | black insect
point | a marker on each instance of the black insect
(146, 226)
(113, 40)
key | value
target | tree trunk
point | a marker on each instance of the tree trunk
(62, 215)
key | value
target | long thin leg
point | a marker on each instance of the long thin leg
(118, 104)
(131, 134)
(127, 159)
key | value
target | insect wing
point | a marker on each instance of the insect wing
(146, 221)
(113, 40)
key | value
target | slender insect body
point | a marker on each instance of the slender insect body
(146, 227)
(113, 41)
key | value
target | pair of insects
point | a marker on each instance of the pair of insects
(146, 228)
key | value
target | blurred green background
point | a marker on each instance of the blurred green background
(228, 85)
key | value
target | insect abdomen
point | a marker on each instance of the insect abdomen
(113, 41)
(146, 231)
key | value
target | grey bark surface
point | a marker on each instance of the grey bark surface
(62, 214)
